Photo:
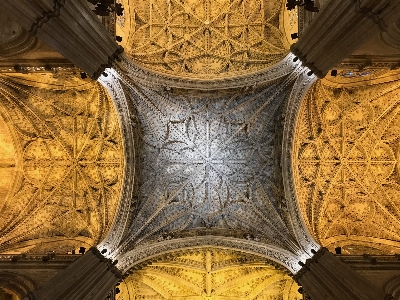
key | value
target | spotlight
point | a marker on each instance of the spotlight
(338, 250)
(82, 250)
(83, 75)
(118, 38)
(295, 59)
(334, 73)
(310, 73)
(294, 35)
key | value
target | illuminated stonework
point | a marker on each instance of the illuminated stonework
(205, 38)
(212, 275)
(210, 161)
(67, 165)
(347, 166)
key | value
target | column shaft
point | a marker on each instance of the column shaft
(90, 277)
(69, 27)
(327, 277)
(340, 28)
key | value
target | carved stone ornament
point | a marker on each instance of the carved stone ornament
(209, 273)
(206, 39)
(345, 164)
(61, 169)
(131, 72)
(209, 162)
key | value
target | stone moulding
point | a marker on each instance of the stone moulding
(146, 252)
(111, 266)
(293, 105)
(130, 71)
(113, 86)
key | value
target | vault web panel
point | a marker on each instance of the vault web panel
(209, 162)
(206, 38)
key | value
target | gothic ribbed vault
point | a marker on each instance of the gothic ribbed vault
(61, 163)
(205, 39)
(209, 274)
(346, 160)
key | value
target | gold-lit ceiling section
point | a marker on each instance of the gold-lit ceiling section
(204, 38)
(209, 275)
(61, 163)
(346, 165)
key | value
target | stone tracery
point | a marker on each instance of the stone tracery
(209, 274)
(205, 38)
(68, 165)
(209, 162)
(346, 158)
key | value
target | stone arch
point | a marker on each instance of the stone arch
(146, 252)
(20, 285)
(299, 90)
(209, 272)
(128, 123)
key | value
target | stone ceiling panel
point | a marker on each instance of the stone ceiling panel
(346, 164)
(209, 274)
(203, 38)
(67, 163)
(210, 161)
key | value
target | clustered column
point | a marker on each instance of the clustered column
(340, 28)
(90, 277)
(326, 277)
(69, 27)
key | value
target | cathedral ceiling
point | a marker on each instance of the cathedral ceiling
(346, 165)
(61, 163)
(203, 38)
(209, 274)
(210, 161)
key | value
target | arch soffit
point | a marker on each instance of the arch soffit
(146, 252)
(130, 71)
(128, 123)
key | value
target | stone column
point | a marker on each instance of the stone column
(326, 277)
(340, 28)
(69, 27)
(90, 277)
